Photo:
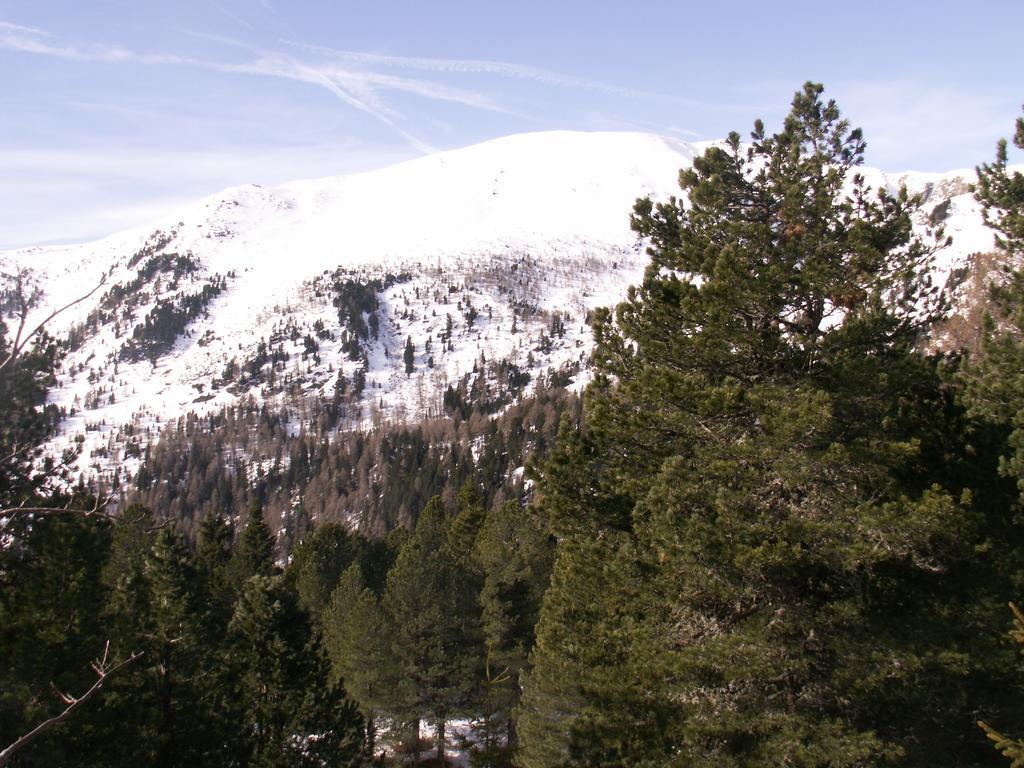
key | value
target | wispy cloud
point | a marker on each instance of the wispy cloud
(297, 71)
(474, 67)
(361, 81)
(6, 25)
(358, 87)
(355, 89)
(14, 37)
(229, 14)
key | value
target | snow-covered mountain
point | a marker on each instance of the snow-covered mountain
(484, 258)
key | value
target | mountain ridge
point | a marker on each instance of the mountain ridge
(492, 254)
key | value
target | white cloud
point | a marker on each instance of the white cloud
(30, 40)
(14, 37)
(473, 67)
(6, 25)
(359, 89)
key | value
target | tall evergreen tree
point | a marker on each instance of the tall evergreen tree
(253, 554)
(51, 627)
(24, 422)
(174, 654)
(294, 715)
(758, 559)
(514, 554)
(409, 356)
(430, 602)
(128, 610)
(213, 563)
(318, 563)
(994, 382)
(357, 641)
(464, 527)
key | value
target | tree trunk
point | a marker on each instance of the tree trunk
(512, 733)
(440, 741)
(371, 732)
(416, 741)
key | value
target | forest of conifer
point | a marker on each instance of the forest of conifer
(779, 527)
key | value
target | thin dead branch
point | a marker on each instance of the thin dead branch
(104, 668)
(24, 306)
(100, 508)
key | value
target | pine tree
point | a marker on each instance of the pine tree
(173, 656)
(213, 562)
(409, 356)
(357, 641)
(430, 603)
(1001, 194)
(128, 608)
(514, 553)
(464, 527)
(293, 715)
(318, 563)
(51, 627)
(995, 382)
(758, 558)
(24, 422)
(253, 554)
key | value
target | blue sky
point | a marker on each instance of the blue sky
(116, 110)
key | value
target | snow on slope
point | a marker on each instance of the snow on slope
(510, 243)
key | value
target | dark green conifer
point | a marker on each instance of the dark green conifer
(463, 528)
(514, 554)
(253, 554)
(430, 603)
(357, 639)
(293, 715)
(128, 610)
(318, 563)
(174, 651)
(51, 627)
(213, 563)
(758, 526)
(995, 381)
(409, 356)
(24, 421)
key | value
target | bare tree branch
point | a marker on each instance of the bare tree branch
(104, 667)
(22, 339)
(99, 509)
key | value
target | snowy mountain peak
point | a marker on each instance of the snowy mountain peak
(484, 262)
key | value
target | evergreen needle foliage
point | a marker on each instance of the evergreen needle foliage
(768, 548)
(994, 383)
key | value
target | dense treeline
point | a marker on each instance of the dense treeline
(777, 530)
(119, 304)
(228, 667)
(376, 480)
(358, 305)
(166, 321)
